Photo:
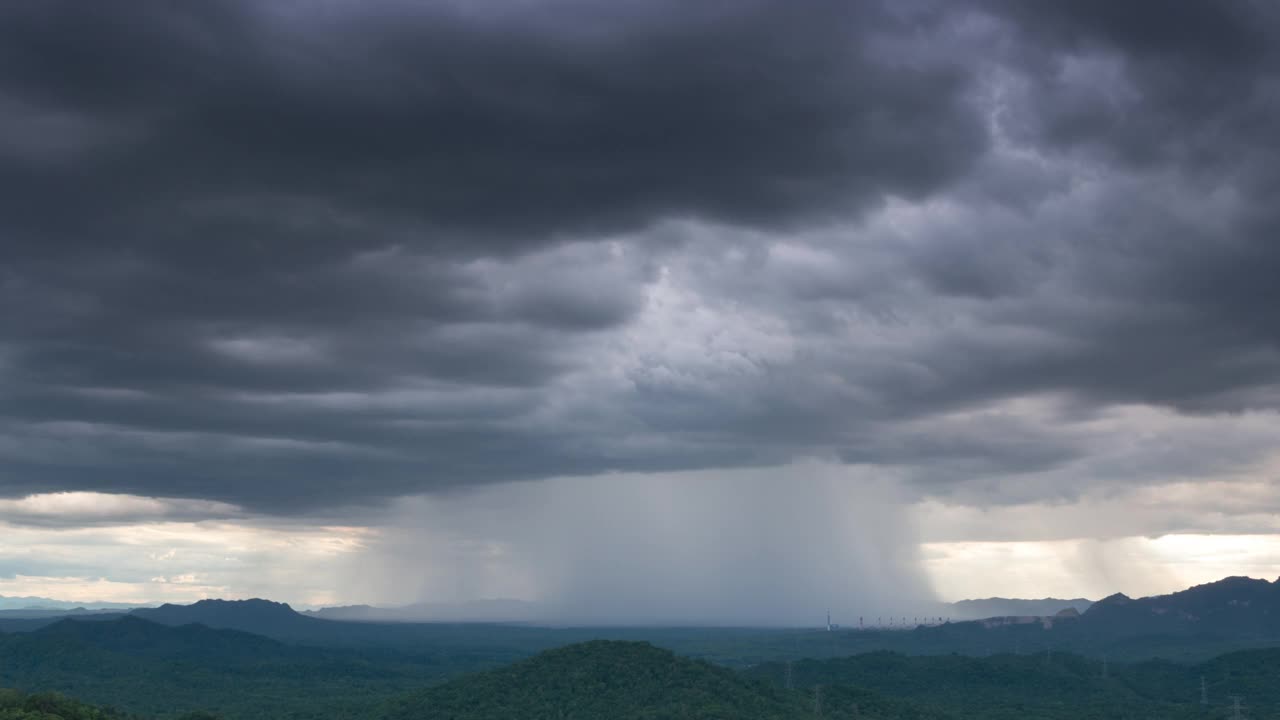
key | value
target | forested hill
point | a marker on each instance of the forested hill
(602, 679)
(256, 616)
(1234, 606)
(1045, 686)
(161, 671)
(140, 638)
(1191, 625)
(613, 680)
(16, 705)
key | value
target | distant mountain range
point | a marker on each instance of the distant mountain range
(498, 610)
(271, 661)
(43, 603)
(1006, 607)
(280, 621)
(522, 611)
(1236, 605)
(356, 624)
(1232, 613)
(54, 614)
(492, 610)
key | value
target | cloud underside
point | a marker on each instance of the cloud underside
(290, 262)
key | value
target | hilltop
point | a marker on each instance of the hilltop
(1234, 605)
(1191, 625)
(1003, 607)
(612, 680)
(255, 616)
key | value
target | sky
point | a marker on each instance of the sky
(641, 311)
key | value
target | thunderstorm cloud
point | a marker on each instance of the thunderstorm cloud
(300, 260)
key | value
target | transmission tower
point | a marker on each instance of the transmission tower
(817, 700)
(790, 686)
(1235, 707)
(1204, 692)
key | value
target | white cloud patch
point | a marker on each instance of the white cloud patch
(1136, 566)
(150, 561)
(81, 508)
(269, 350)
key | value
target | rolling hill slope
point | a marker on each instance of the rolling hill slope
(1049, 687)
(154, 670)
(612, 680)
(15, 705)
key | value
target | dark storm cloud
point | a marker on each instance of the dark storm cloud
(291, 257)
(1178, 104)
(1187, 86)
(1115, 247)
(257, 249)
(250, 131)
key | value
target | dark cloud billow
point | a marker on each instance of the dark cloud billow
(295, 259)
(472, 129)
(1185, 99)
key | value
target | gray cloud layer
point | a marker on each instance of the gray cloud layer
(297, 260)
